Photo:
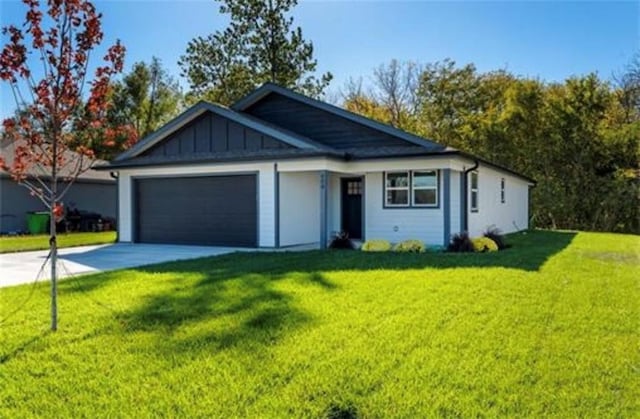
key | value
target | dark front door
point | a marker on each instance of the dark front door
(352, 207)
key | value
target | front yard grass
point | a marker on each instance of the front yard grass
(550, 327)
(10, 244)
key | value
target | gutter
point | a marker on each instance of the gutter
(465, 204)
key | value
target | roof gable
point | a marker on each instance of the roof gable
(323, 122)
(210, 128)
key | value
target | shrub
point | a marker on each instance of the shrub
(376, 245)
(341, 241)
(410, 246)
(460, 242)
(484, 244)
(495, 234)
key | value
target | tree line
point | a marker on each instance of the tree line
(579, 139)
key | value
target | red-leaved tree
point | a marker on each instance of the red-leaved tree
(60, 107)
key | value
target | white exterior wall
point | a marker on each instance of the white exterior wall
(299, 202)
(299, 208)
(398, 224)
(266, 193)
(508, 217)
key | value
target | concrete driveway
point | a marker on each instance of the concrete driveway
(21, 268)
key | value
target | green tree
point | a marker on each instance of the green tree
(580, 139)
(259, 45)
(145, 98)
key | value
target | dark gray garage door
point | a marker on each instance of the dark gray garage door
(212, 210)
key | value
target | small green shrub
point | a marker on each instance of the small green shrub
(410, 246)
(460, 242)
(376, 245)
(484, 244)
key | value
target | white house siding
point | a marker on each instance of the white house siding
(395, 225)
(509, 216)
(266, 193)
(299, 208)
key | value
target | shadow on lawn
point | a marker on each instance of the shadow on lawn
(235, 298)
(228, 307)
(21, 347)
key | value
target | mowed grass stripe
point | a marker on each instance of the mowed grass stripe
(550, 327)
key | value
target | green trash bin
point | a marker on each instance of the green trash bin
(37, 222)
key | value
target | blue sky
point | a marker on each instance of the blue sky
(550, 40)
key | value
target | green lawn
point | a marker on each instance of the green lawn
(23, 243)
(550, 327)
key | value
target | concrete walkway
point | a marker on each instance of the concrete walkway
(22, 268)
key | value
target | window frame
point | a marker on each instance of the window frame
(410, 190)
(425, 188)
(386, 188)
(475, 190)
(503, 188)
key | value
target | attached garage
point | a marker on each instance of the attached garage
(204, 210)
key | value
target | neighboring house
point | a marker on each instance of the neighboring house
(280, 169)
(93, 192)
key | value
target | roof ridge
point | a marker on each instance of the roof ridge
(269, 87)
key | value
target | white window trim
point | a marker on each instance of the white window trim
(425, 188)
(397, 188)
(476, 190)
(410, 189)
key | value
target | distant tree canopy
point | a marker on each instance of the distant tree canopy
(579, 139)
(139, 103)
(258, 46)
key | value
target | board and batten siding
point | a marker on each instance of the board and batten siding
(398, 224)
(210, 133)
(299, 208)
(266, 186)
(510, 216)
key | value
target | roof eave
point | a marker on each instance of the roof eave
(205, 160)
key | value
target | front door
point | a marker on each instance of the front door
(352, 207)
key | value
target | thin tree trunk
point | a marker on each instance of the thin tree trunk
(53, 244)
(54, 261)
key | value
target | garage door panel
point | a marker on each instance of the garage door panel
(215, 210)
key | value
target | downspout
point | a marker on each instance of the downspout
(465, 195)
(114, 175)
(530, 189)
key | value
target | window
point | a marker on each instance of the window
(425, 189)
(397, 189)
(502, 194)
(474, 191)
(411, 189)
(354, 187)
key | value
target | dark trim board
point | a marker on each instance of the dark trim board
(324, 192)
(446, 204)
(276, 198)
